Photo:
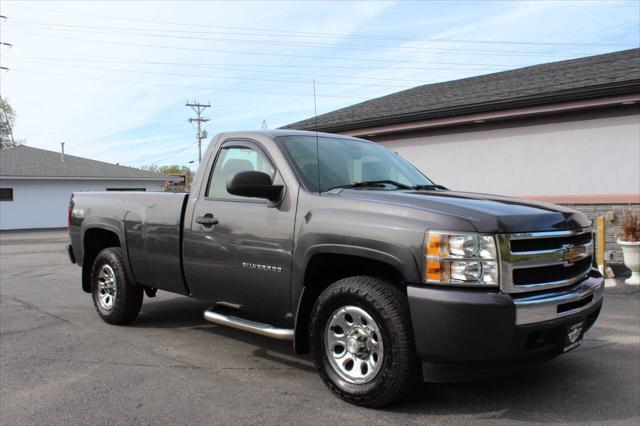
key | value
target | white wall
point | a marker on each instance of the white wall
(44, 203)
(590, 156)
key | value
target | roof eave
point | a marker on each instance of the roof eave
(630, 86)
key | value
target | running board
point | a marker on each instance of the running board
(248, 325)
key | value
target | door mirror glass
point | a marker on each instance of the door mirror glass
(254, 184)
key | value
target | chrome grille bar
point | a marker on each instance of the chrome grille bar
(535, 261)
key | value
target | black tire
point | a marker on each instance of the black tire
(125, 305)
(387, 305)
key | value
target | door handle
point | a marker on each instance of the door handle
(207, 220)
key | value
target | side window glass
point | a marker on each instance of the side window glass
(233, 160)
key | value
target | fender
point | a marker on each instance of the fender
(387, 234)
(396, 256)
(387, 237)
(111, 225)
(392, 254)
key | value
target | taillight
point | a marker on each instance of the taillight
(69, 215)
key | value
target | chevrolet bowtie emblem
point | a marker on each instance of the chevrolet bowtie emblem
(571, 253)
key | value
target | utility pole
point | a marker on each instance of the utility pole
(199, 108)
(4, 112)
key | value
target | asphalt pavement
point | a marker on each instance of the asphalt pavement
(60, 364)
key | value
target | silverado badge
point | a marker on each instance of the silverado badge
(269, 268)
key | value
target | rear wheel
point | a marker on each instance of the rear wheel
(115, 297)
(362, 342)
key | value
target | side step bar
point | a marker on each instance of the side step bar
(248, 325)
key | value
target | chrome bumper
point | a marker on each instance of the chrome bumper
(559, 304)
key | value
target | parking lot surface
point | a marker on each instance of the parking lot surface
(59, 363)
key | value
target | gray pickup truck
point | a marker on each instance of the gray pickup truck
(343, 247)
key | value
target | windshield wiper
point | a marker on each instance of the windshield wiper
(372, 184)
(430, 187)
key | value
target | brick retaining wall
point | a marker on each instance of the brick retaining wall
(613, 252)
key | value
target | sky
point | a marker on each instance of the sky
(111, 79)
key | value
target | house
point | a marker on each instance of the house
(36, 185)
(566, 132)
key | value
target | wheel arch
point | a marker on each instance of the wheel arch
(95, 238)
(328, 263)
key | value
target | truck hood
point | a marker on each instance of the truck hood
(487, 213)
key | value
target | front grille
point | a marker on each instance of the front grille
(544, 260)
(553, 273)
(518, 246)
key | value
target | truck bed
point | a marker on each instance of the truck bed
(149, 226)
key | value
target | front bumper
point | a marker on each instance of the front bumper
(464, 334)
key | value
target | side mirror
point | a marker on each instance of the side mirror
(254, 184)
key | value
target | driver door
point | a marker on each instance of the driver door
(241, 255)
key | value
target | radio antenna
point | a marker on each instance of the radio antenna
(315, 116)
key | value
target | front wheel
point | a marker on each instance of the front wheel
(115, 297)
(362, 341)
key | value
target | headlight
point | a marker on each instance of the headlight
(453, 258)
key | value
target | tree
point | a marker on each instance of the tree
(173, 169)
(7, 118)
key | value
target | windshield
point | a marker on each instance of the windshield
(349, 162)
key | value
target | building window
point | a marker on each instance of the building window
(6, 194)
(126, 189)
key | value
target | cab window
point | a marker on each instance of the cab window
(233, 160)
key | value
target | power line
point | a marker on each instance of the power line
(288, 55)
(199, 108)
(289, 33)
(595, 31)
(209, 76)
(262, 92)
(475, 65)
(174, 153)
(599, 30)
(313, 66)
(233, 68)
(166, 34)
